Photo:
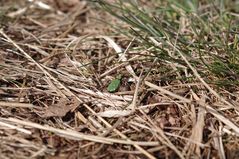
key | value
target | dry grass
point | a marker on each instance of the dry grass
(56, 61)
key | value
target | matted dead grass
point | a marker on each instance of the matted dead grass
(56, 61)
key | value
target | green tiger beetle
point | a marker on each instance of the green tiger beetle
(114, 84)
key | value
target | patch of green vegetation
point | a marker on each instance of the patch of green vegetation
(205, 32)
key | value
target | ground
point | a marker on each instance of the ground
(95, 79)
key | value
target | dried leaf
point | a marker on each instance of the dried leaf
(60, 109)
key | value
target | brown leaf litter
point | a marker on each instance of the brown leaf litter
(56, 60)
(61, 108)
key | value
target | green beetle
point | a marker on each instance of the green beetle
(114, 84)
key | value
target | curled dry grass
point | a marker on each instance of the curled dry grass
(56, 61)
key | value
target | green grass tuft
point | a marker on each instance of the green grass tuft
(206, 32)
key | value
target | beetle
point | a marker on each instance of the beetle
(114, 84)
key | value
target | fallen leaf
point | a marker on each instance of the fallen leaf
(60, 109)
